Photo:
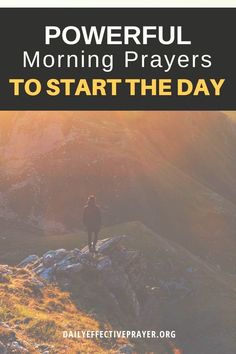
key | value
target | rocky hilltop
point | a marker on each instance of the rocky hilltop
(113, 276)
(74, 289)
(34, 314)
(171, 289)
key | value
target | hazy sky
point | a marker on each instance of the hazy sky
(118, 3)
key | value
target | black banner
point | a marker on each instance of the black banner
(118, 59)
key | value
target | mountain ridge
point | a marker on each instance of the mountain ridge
(173, 171)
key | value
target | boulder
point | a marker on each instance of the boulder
(103, 263)
(47, 274)
(69, 269)
(28, 260)
(53, 256)
(107, 245)
(68, 260)
(76, 252)
(48, 260)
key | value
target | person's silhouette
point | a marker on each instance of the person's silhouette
(92, 222)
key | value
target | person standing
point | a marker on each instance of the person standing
(92, 221)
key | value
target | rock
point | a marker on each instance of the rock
(51, 257)
(104, 263)
(69, 269)
(57, 254)
(76, 252)
(65, 262)
(117, 280)
(87, 259)
(3, 349)
(15, 347)
(28, 260)
(126, 349)
(39, 268)
(109, 244)
(42, 347)
(47, 274)
(48, 260)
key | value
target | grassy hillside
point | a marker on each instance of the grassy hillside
(37, 316)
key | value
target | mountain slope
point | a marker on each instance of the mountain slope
(143, 281)
(174, 171)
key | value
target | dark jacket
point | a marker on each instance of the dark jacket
(92, 217)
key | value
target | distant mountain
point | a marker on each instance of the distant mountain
(174, 171)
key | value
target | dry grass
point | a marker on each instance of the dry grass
(42, 317)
